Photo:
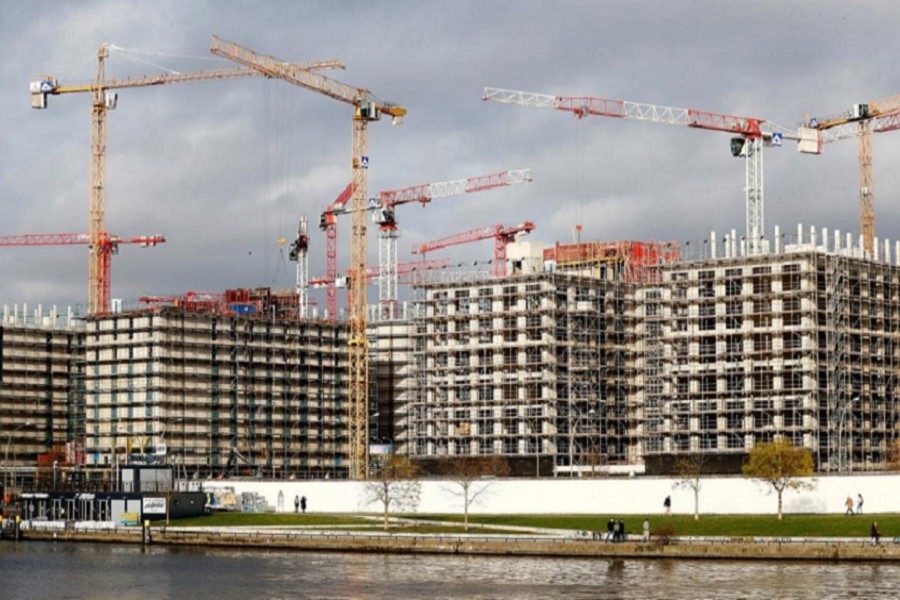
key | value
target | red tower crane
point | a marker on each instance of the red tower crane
(109, 245)
(502, 235)
(384, 208)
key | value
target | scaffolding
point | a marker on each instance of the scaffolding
(202, 390)
(799, 343)
(535, 367)
(587, 358)
(41, 356)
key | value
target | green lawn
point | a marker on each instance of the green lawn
(317, 521)
(718, 525)
(234, 519)
(708, 525)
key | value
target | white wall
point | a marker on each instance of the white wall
(613, 496)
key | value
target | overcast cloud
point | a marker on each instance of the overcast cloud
(223, 168)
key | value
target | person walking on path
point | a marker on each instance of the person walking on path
(859, 503)
(849, 505)
(874, 533)
(646, 537)
(296, 504)
(667, 504)
(610, 529)
(303, 504)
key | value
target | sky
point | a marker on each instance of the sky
(223, 169)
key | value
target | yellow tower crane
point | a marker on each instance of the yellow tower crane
(860, 122)
(103, 100)
(366, 108)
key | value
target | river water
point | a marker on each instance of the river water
(58, 570)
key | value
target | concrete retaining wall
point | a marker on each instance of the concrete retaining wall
(608, 496)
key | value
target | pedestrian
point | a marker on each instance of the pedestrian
(303, 504)
(296, 504)
(621, 525)
(849, 505)
(610, 529)
(646, 537)
(616, 531)
(667, 504)
(859, 503)
(874, 533)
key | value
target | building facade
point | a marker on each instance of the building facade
(217, 394)
(802, 344)
(529, 367)
(41, 362)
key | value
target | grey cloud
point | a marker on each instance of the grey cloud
(223, 168)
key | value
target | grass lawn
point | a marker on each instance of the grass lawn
(316, 521)
(718, 525)
(713, 525)
(235, 519)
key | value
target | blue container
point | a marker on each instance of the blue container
(242, 309)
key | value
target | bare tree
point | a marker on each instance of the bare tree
(395, 485)
(689, 470)
(468, 474)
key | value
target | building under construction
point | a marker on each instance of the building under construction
(216, 392)
(540, 366)
(631, 353)
(41, 362)
(583, 358)
(802, 342)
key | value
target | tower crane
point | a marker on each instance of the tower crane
(502, 235)
(750, 135)
(860, 121)
(366, 108)
(108, 245)
(328, 224)
(104, 100)
(383, 207)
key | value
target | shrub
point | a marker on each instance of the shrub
(664, 535)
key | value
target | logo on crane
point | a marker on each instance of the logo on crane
(364, 162)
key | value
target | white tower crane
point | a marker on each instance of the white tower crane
(750, 135)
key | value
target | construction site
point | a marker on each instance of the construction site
(590, 358)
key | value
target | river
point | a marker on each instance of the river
(62, 570)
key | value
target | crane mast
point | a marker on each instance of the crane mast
(366, 108)
(299, 253)
(752, 134)
(98, 261)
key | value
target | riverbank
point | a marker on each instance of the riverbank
(547, 545)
